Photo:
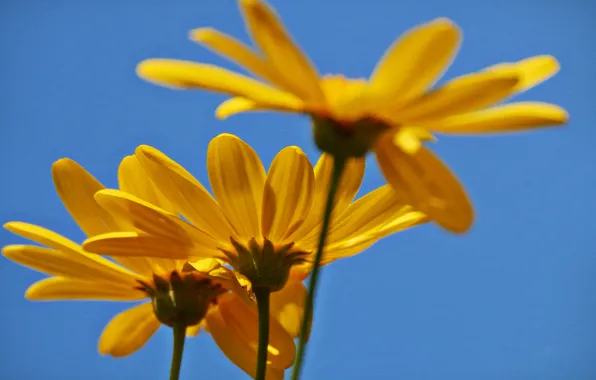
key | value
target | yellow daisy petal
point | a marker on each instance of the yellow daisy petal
(238, 52)
(370, 214)
(514, 117)
(185, 192)
(191, 75)
(233, 346)
(287, 306)
(193, 331)
(415, 61)
(109, 270)
(405, 218)
(137, 244)
(409, 139)
(133, 179)
(60, 288)
(532, 71)
(270, 35)
(307, 235)
(237, 105)
(236, 324)
(58, 263)
(234, 106)
(463, 94)
(128, 331)
(147, 218)
(237, 179)
(288, 194)
(76, 187)
(347, 248)
(427, 184)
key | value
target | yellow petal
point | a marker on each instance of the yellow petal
(185, 192)
(532, 71)
(347, 248)
(415, 61)
(152, 220)
(241, 54)
(193, 331)
(348, 100)
(514, 117)
(133, 179)
(192, 75)
(60, 288)
(58, 263)
(76, 188)
(427, 184)
(287, 306)
(298, 73)
(128, 331)
(288, 194)
(370, 214)
(410, 139)
(463, 94)
(101, 267)
(137, 244)
(235, 330)
(237, 105)
(308, 234)
(237, 179)
(406, 218)
(234, 106)
(232, 345)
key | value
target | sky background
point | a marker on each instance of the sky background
(514, 299)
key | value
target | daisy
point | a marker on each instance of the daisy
(392, 113)
(206, 295)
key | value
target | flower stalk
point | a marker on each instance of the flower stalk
(338, 168)
(179, 329)
(262, 294)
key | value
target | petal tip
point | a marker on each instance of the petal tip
(445, 24)
(63, 165)
(8, 225)
(249, 3)
(225, 136)
(202, 34)
(149, 152)
(222, 114)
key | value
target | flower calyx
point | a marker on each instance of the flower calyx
(265, 265)
(183, 298)
(349, 139)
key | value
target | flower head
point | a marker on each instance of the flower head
(205, 295)
(266, 225)
(393, 112)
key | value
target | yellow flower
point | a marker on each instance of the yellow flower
(393, 112)
(253, 210)
(218, 300)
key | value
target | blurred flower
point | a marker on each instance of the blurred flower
(392, 113)
(206, 294)
(270, 219)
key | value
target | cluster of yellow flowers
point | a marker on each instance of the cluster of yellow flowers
(217, 261)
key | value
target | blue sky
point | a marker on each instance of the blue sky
(514, 299)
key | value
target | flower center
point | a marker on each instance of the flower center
(182, 297)
(265, 265)
(346, 98)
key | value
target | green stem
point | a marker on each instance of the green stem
(179, 338)
(338, 168)
(262, 295)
